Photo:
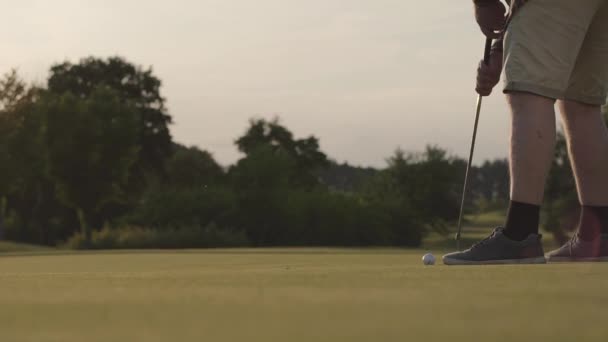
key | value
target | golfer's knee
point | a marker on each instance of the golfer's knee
(571, 110)
(524, 102)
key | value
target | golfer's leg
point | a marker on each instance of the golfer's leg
(587, 137)
(588, 147)
(541, 47)
(532, 145)
(542, 44)
(581, 113)
(586, 130)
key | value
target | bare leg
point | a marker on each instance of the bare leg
(587, 137)
(532, 151)
(532, 145)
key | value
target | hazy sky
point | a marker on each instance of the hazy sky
(365, 76)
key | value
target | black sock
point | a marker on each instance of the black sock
(593, 222)
(522, 220)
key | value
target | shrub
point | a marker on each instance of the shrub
(176, 207)
(322, 218)
(131, 237)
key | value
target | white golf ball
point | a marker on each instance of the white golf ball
(428, 259)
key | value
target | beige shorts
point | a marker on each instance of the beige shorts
(559, 49)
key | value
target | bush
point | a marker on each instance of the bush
(322, 218)
(175, 207)
(130, 237)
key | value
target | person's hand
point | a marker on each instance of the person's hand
(489, 75)
(490, 15)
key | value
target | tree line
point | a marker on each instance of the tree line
(87, 160)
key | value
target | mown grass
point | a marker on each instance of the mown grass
(294, 295)
(13, 247)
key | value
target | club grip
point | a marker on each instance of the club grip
(486, 52)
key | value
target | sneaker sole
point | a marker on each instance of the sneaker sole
(570, 259)
(527, 261)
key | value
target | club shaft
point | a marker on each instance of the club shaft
(467, 174)
(486, 60)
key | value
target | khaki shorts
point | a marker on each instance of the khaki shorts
(559, 49)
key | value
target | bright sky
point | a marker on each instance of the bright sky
(364, 76)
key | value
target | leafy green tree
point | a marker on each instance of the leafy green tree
(5, 161)
(490, 185)
(25, 188)
(9, 85)
(345, 177)
(194, 195)
(275, 164)
(169, 207)
(426, 185)
(14, 91)
(262, 184)
(305, 153)
(193, 168)
(16, 122)
(91, 144)
(131, 84)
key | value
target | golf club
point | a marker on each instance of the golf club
(486, 60)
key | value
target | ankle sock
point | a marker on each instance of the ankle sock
(593, 222)
(522, 220)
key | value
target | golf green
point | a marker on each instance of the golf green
(294, 295)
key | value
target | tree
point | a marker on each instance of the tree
(14, 91)
(345, 177)
(490, 185)
(15, 98)
(262, 184)
(91, 145)
(427, 185)
(305, 152)
(11, 89)
(131, 84)
(25, 188)
(275, 164)
(192, 168)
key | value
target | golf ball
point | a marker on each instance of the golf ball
(428, 259)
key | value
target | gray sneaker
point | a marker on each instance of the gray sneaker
(499, 249)
(580, 250)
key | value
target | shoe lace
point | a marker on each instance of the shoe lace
(484, 241)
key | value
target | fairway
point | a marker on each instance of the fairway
(294, 295)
